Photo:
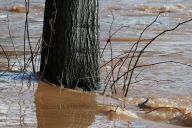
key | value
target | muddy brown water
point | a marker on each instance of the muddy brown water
(28, 103)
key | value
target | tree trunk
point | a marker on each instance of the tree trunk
(70, 46)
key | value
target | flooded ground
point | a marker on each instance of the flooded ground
(27, 103)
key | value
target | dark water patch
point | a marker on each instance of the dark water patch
(17, 75)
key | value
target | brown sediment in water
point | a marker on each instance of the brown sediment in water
(65, 108)
(153, 9)
(14, 53)
(19, 8)
(58, 108)
(183, 120)
(126, 39)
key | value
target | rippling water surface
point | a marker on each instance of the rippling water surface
(24, 102)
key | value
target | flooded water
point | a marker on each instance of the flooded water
(28, 103)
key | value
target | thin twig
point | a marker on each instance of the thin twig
(133, 55)
(164, 108)
(140, 66)
(165, 31)
(9, 30)
(6, 56)
(27, 34)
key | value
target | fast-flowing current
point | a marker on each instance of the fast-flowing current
(28, 103)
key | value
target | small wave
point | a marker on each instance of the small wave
(115, 7)
(176, 111)
(19, 8)
(2, 16)
(182, 120)
(166, 8)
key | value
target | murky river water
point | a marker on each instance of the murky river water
(26, 104)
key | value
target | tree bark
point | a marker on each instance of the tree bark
(70, 47)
